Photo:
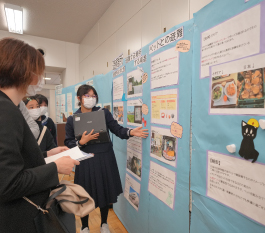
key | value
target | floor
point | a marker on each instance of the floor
(115, 224)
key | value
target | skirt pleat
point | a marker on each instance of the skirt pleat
(100, 177)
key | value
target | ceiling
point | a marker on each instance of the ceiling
(65, 20)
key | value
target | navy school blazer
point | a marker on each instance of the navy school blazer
(111, 124)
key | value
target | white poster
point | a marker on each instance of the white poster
(162, 183)
(238, 87)
(164, 106)
(58, 100)
(134, 157)
(62, 100)
(235, 38)
(118, 113)
(118, 88)
(134, 84)
(132, 191)
(165, 68)
(69, 102)
(237, 183)
(134, 112)
(163, 145)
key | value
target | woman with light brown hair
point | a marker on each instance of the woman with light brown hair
(23, 171)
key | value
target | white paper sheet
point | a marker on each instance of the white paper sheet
(162, 183)
(235, 38)
(132, 191)
(164, 107)
(165, 68)
(237, 183)
(74, 153)
(118, 88)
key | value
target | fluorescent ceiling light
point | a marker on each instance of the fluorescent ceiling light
(14, 18)
(47, 78)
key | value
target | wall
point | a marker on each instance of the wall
(60, 55)
(130, 25)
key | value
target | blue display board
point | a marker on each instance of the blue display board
(218, 205)
(153, 215)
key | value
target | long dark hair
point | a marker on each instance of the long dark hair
(83, 90)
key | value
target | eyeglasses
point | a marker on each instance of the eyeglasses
(88, 96)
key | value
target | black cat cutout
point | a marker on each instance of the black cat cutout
(249, 133)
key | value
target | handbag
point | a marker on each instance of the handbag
(74, 199)
(53, 219)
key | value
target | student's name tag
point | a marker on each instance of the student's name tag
(77, 118)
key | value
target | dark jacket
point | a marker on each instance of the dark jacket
(47, 142)
(23, 171)
(111, 124)
(48, 122)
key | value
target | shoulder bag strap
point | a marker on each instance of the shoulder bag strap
(74, 202)
(42, 134)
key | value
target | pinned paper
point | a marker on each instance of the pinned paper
(144, 77)
(176, 130)
(144, 109)
(231, 148)
(183, 46)
(262, 123)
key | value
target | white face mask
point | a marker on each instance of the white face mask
(90, 102)
(35, 113)
(33, 89)
(44, 110)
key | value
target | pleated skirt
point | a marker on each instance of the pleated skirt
(100, 177)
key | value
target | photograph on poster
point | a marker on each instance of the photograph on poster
(165, 68)
(118, 88)
(230, 40)
(163, 145)
(134, 84)
(134, 157)
(134, 112)
(132, 191)
(164, 106)
(118, 112)
(238, 87)
(107, 106)
(237, 183)
(162, 182)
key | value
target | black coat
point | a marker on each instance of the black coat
(23, 171)
(47, 142)
(98, 175)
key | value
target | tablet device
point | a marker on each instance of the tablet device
(88, 121)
